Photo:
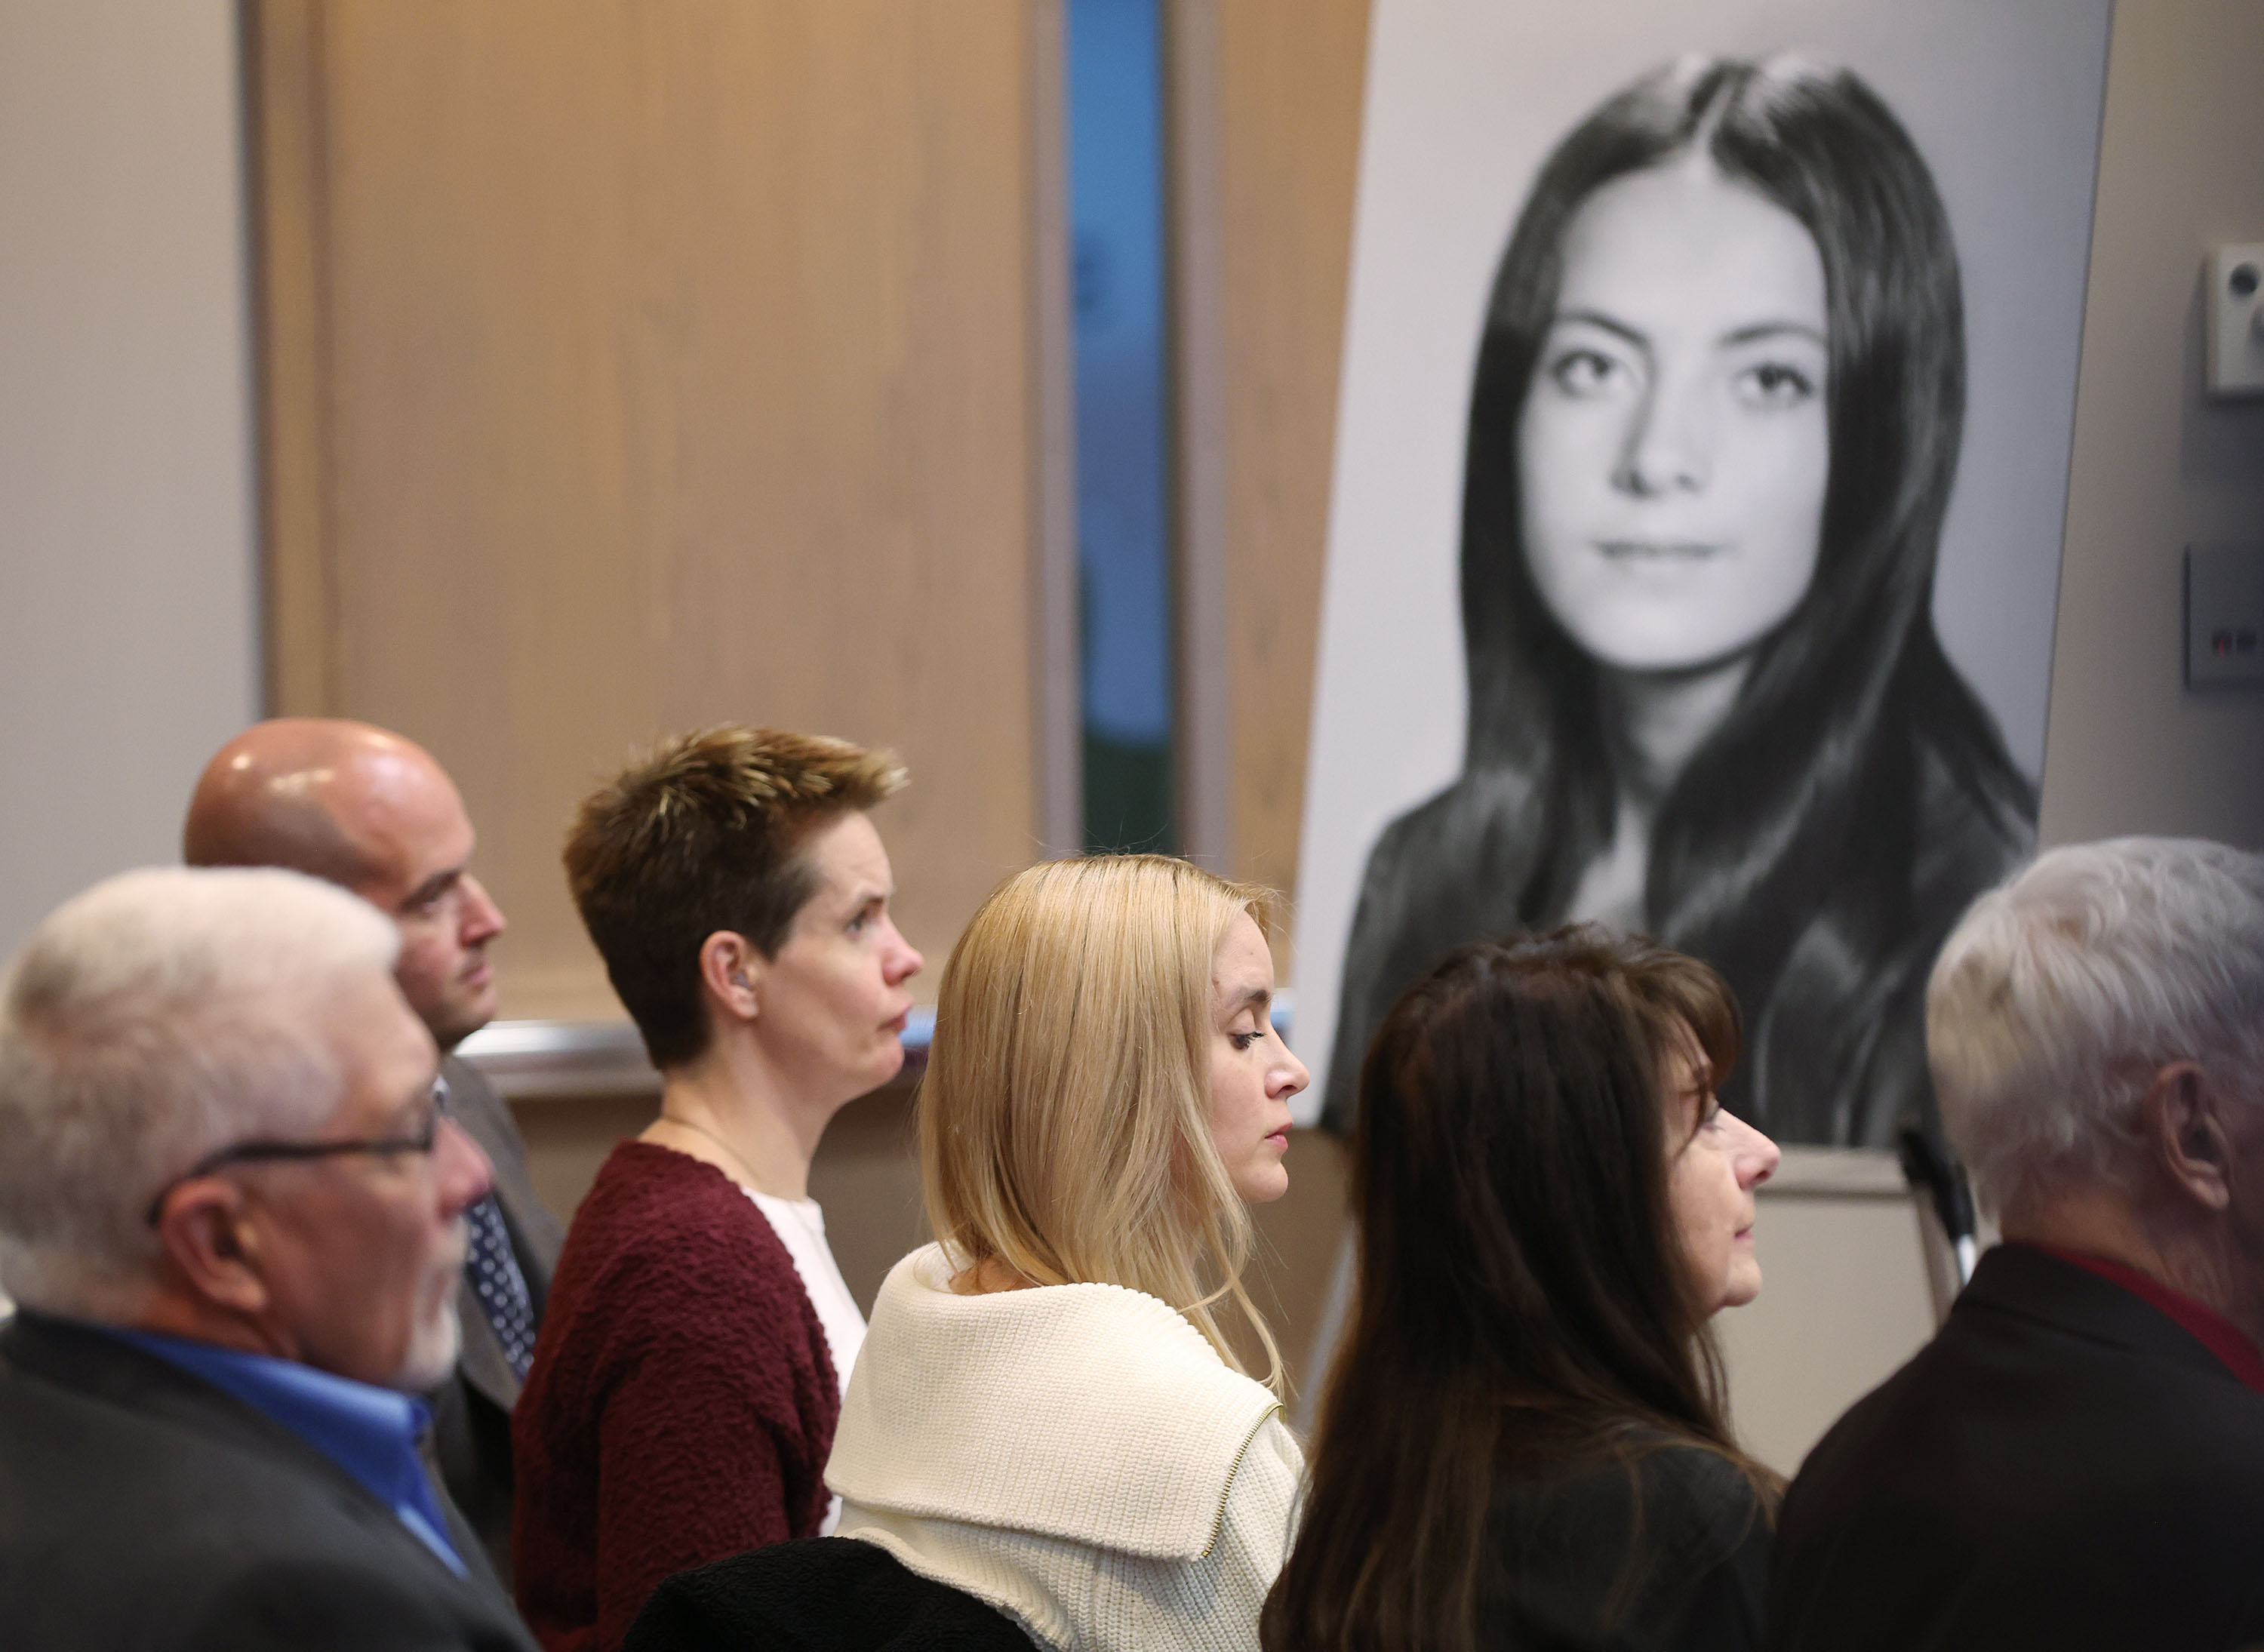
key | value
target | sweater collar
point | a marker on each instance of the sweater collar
(1090, 1413)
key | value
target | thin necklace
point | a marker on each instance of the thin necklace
(747, 1181)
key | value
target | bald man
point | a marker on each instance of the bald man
(366, 809)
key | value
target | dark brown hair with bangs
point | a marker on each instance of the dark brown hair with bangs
(1525, 1305)
(705, 833)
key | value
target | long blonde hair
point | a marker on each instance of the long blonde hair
(1064, 1121)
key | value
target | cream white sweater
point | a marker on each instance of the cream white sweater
(1077, 1455)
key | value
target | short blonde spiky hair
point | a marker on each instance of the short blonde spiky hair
(704, 833)
(1064, 1120)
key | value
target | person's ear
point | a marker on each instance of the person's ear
(732, 971)
(210, 1248)
(2184, 1123)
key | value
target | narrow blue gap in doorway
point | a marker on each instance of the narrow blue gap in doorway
(1115, 95)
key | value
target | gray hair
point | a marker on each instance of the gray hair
(160, 1016)
(2059, 995)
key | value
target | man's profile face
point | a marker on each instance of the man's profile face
(360, 1252)
(410, 825)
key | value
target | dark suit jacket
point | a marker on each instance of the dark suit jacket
(471, 1415)
(143, 1510)
(2063, 1467)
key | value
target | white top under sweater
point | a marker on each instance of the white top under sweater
(799, 1225)
(1077, 1455)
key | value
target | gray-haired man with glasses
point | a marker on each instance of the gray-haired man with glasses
(231, 1210)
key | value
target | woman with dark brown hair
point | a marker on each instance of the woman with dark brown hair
(1524, 1441)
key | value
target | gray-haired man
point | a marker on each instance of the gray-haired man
(231, 1211)
(2076, 1461)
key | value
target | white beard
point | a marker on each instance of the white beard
(432, 1349)
(438, 1337)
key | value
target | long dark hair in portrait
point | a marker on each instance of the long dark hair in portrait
(1524, 1313)
(1857, 795)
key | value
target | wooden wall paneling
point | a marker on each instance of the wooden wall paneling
(1264, 103)
(1290, 75)
(868, 1164)
(682, 366)
(496, 592)
(282, 59)
(1058, 715)
(1200, 452)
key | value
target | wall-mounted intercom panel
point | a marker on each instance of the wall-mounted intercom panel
(2225, 616)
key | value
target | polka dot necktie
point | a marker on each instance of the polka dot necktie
(493, 1270)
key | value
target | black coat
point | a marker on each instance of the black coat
(821, 1594)
(2063, 1467)
(143, 1510)
(1668, 1551)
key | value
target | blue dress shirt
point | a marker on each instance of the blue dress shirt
(370, 1432)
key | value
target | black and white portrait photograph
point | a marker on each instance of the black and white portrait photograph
(1700, 475)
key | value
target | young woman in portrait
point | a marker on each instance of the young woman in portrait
(1047, 1413)
(1713, 431)
(1523, 1442)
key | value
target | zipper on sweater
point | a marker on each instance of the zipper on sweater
(1218, 1520)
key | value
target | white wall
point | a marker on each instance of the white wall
(127, 593)
(2156, 465)
(2181, 166)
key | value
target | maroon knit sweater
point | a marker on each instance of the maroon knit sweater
(681, 1404)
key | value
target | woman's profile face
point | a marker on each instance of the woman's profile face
(1252, 1074)
(1673, 449)
(832, 1006)
(1715, 1161)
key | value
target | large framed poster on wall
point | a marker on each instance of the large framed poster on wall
(1701, 465)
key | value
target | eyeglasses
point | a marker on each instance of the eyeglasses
(295, 1152)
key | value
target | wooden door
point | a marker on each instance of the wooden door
(633, 366)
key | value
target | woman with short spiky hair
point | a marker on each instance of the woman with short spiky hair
(698, 1336)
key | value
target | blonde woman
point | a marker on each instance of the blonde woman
(1047, 1413)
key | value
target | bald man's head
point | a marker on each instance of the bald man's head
(366, 809)
(266, 799)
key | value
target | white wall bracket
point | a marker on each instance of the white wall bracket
(2234, 310)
